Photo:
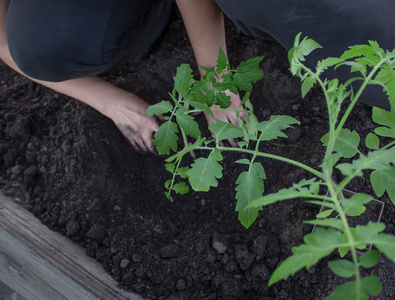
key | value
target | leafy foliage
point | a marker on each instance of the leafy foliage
(342, 151)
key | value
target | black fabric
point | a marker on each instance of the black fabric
(66, 39)
(334, 24)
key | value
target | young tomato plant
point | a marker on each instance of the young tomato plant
(342, 151)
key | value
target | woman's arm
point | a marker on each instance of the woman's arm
(204, 22)
(125, 109)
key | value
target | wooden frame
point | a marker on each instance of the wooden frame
(41, 264)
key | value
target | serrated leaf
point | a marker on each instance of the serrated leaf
(188, 124)
(204, 172)
(170, 167)
(372, 141)
(242, 82)
(377, 160)
(384, 180)
(342, 267)
(222, 100)
(183, 79)
(307, 84)
(225, 130)
(182, 172)
(222, 60)
(202, 107)
(354, 206)
(222, 86)
(385, 118)
(317, 245)
(298, 190)
(159, 108)
(166, 138)
(181, 188)
(366, 232)
(370, 259)
(386, 75)
(349, 290)
(324, 64)
(251, 69)
(272, 129)
(346, 143)
(249, 187)
(210, 98)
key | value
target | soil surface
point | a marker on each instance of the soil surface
(74, 170)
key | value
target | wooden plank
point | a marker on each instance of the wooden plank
(53, 249)
(33, 277)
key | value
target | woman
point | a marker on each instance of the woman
(63, 44)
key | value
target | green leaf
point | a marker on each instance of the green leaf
(202, 107)
(372, 141)
(324, 214)
(334, 223)
(324, 64)
(317, 245)
(349, 290)
(166, 138)
(385, 243)
(299, 190)
(386, 75)
(377, 160)
(251, 69)
(370, 259)
(346, 143)
(371, 285)
(343, 268)
(204, 172)
(384, 180)
(365, 233)
(225, 130)
(242, 82)
(354, 206)
(249, 187)
(272, 129)
(331, 161)
(385, 118)
(181, 188)
(210, 97)
(183, 79)
(170, 167)
(187, 123)
(222, 100)
(307, 84)
(244, 161)
(159, 108)
(222, 61)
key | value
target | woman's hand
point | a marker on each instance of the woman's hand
(129, 116)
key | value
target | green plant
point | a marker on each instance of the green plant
(374, 66)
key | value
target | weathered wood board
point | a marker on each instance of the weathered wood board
(41, 264)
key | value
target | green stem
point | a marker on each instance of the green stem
(347, 230)
(267, 155)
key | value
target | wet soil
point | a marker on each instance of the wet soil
(74, 170)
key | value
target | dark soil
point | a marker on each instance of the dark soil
(73, 169)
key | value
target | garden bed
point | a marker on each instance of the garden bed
(73, 169)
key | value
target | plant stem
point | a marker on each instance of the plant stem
(267, 155)
(347, 231)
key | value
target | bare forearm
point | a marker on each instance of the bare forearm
(204, 22)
